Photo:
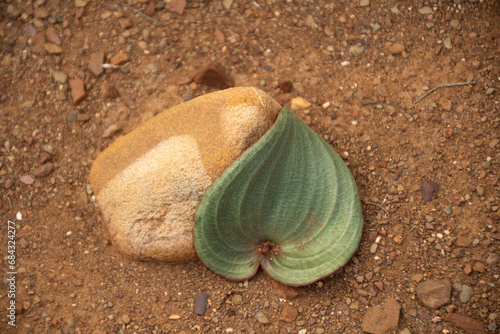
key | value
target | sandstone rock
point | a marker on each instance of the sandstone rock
(289, 314)
(77, 90)
(426, 10)
(43, 170)
(176, 6)
(213, 75)
(299, 103)
(125, 23)
(110, 92)
(429, 191)
(60, 76)
(52, 48)
(95, 63)
(356, 50)
(52, 35)
(110, 131)
(434, 293)
(261, 317)
(149, 183)
(382, 90)
(382, 319)
(80, 3)
(38, 43)
(41, 12)
(468, 324)
(150, 9)
(396, 48)
(119, 59)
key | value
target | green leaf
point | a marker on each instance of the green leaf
(288, 204)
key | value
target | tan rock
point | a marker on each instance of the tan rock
(41, 12)
(396, 48)
(52, 49)
(149, 183)
(299, 103)
(382, 319)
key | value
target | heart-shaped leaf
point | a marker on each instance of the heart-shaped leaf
(288, 204)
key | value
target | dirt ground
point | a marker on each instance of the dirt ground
(361, 64)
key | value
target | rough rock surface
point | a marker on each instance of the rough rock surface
(149, 183)
(382, 319)
(434, 293)
(466, 323)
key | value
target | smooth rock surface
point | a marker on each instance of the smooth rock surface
(434, 293)
(382, 318)
(149, 183)
(213, 75)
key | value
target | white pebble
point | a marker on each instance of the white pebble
(19, 216)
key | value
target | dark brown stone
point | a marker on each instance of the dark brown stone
(200, 303)
(110, 92)
(213, 75)
(285, 86)
(429, 190)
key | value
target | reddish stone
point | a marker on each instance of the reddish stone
(150, 9)
(219, 36)
(289, 314)
(125, 23)
(176, 6)
(38, 43)
(119, 59)
(83, 117)
(77, 90)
